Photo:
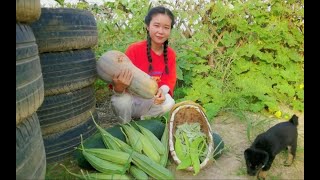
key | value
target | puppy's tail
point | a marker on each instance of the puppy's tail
(294, 120)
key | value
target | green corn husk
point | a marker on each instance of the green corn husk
(98, 176)
(102, 165)
(107, 140)
(142, 161)
(165, 142)
(133, 139)
(158, 146)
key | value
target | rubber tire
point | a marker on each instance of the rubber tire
(67, 71)
(61, 145)
(27, 11)
(64, 111)
(62, 29)
(29, 80)
(30, 151)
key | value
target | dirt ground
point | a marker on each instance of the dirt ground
(234, 132)
(231, 164)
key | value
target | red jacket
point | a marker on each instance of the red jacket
(137, 53)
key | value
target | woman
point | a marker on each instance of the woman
(157, 59)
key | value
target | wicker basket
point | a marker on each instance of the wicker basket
(190, 112)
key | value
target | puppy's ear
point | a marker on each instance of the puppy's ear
(248, 152)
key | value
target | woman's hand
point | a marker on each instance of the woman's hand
(159, 97)
(122, 80)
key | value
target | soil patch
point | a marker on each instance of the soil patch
(231, 165)
(235, 133)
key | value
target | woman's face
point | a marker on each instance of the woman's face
(159, 28)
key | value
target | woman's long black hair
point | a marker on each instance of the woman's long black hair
(151, 13)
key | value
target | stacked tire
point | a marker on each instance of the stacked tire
(30, 151)
(65, 37)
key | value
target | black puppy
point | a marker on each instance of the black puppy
(267, 145)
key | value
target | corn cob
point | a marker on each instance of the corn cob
(165, 142)
(138, 173)
(158, 146)
(104, 166)
(133, 139)
(143, 162)
(101, 165)
(98, 176)
(101, 176)
(148, 149)
(118, 157)
(150, 167)
(106, 137)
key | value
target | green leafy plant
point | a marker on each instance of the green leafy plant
(231, 55)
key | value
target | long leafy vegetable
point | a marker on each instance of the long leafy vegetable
(190, 146)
